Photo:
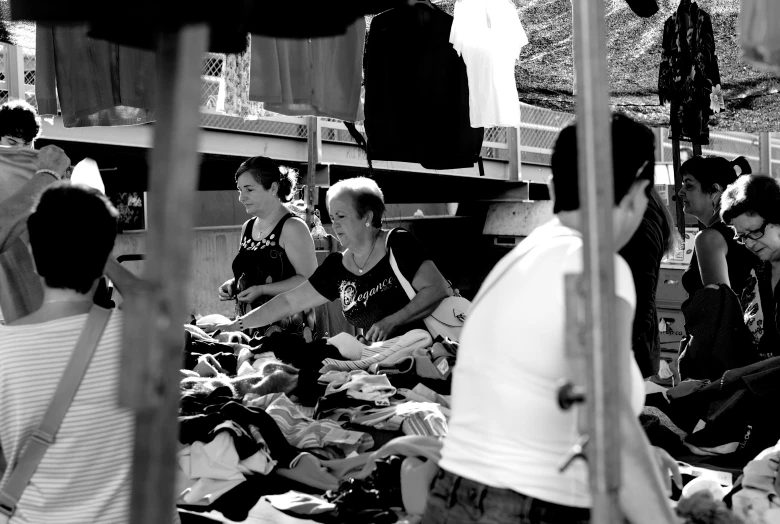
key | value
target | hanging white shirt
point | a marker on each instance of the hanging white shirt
(489, 36)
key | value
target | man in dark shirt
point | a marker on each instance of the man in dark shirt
(644, 253)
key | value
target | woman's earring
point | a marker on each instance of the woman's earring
(368, 224)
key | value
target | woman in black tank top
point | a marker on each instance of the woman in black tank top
(717, 257)
(276, 252)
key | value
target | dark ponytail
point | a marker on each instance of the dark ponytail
(712, 170)
(742, 163)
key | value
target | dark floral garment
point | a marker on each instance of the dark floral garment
(264, 261)
(762, 311)
(689, 72)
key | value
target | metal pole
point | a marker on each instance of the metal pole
(594, 150)
(315, 151)
(677, 186)
(765, 153)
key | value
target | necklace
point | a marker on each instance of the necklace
(360, 268)
(273, 223)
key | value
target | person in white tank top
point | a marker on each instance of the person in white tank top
(507, 436)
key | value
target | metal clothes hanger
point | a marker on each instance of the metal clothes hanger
(426, 3)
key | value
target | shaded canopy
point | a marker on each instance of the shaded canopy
(545, 71)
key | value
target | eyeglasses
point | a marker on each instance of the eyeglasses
(756, 234)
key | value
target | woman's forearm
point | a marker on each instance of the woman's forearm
(642, 488)
(283, 286)
(275, 309)
(421, 306)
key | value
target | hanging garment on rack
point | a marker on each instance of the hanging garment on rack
(489, 36)
(417, 92)
(98, 83)
(760, 33)
(688, 76)
(229, 21)
(314, 76)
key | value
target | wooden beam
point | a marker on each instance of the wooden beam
(594, 152)
(153, 389)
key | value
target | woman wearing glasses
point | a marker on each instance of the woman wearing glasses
(717, 257)
(752, 207)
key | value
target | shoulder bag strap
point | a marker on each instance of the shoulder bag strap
(393, 264)
(43, 436)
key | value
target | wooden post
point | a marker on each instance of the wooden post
(765, 153)
(678, 186)
(172, 184)
(311, 195)
(594, 150)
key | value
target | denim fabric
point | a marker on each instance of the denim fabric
(455, 500)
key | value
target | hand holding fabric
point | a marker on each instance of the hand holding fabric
(761, 474)
(669, 465)
(381, 330)
(250, 294)
(226, 290)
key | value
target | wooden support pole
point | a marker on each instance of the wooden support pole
(677, 186)
(594, 151)
(765, 153)
(172, 184)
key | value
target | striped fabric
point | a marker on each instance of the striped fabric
(387, 352)
(85, 476)
(426, 423)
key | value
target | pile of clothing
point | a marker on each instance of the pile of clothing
(254, 411)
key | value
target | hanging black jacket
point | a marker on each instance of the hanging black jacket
(688, 72)
(417, 92)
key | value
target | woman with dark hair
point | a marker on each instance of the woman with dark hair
(717, 257)
(654, 238)
(751, 206)
(276, 252)
(371, 296)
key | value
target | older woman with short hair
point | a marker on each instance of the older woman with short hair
(751, 206)
(361, 277)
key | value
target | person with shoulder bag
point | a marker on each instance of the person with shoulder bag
(67, 442)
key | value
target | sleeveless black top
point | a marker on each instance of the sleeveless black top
(261, 262)
(739, 260)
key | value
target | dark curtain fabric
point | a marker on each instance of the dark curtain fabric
(229, 24)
